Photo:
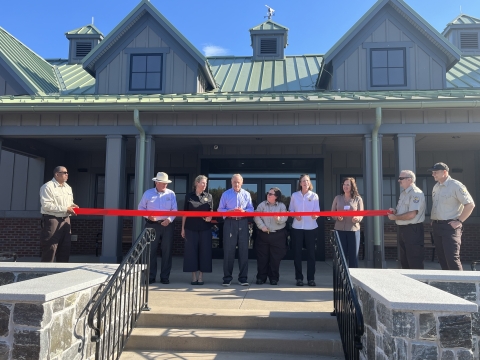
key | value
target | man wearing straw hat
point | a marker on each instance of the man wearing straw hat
(160, 198)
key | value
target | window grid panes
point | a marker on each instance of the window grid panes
(387, 67)
(146, 71)
(99, 202)
(180, 186)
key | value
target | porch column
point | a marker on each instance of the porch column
(368, 195)
(404, 155)
(115, 196)
(149, 174)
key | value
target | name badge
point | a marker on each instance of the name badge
(205, 199)
(346, 207)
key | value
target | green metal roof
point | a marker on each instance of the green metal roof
(286, 101)
(269, 25)
(74, 80)
(36, 73)
(294, 73)
(85, 30)
(465, 74)
(464, 19)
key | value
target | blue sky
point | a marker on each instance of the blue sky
(218, 27)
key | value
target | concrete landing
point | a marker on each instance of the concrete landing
(165, 355)
(285, 297)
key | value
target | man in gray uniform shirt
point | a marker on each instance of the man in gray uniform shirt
(409, 216)
(452, 205)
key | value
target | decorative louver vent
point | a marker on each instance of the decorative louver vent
(268, 46)
(82, 49)
(469, 40)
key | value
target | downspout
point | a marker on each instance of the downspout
(139, 177)
(377, 242)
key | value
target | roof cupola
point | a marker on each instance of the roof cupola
(82, 41)
(269, 41)
(464, 33)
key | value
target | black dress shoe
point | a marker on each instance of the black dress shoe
(260, 282)
(299, 282)
(151, 281)
(311, 283)
(194, 283)
(165, 281)
(273, 282)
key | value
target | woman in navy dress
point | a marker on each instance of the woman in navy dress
(197, 232)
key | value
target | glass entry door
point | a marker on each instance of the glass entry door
(258, 188)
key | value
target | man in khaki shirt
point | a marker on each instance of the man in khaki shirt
(452, 205)
(56, 198)
(409, 216)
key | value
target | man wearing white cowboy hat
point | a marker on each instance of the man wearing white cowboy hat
(160, 198)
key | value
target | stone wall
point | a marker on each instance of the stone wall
(55, 330)
(418, 315)
(45, 316)
(413, 335)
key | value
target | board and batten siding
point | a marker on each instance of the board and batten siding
(7, 86)
(20, 180)
(179, 77)
(425, 72)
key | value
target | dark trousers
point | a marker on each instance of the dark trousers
(55, 239)
(447, 243)
(270, 248)
(235, 232)
(411, 246)
(198, 251)
(348, 241)
(165, 235)
(309, 236)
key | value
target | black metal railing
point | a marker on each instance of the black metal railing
(121, 300)
(345, 301)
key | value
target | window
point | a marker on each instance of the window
(268, 46)
(469, 40)
(426, 184)
(387, 67)
(82, 48)
(146, 72)
(180, 186)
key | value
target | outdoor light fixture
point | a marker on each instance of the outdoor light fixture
(215, 147)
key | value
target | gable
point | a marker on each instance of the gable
(423, 65)
(8, 84)
(146, 37)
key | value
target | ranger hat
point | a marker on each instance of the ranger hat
(439, 166)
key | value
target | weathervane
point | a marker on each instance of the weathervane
(270, 12)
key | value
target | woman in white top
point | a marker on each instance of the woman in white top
(347, 226)
(304, 228)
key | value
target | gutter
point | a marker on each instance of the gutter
(139, 176)
(68, 105)
(377, 241)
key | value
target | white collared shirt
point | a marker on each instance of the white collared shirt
(307, 202)
(156, 200)
(55, 198)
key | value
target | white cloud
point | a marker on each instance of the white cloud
(213, 50)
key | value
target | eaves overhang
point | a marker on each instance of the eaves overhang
(312, 101)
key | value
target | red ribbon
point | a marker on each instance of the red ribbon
(118, 212)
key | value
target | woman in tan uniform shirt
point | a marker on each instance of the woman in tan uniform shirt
(348, 200)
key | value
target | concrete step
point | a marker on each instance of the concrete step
(225, 340)
(238, 319)
(168, 355)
